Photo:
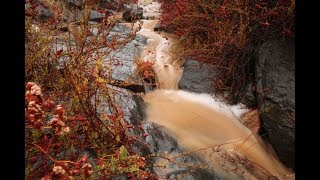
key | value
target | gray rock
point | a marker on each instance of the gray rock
(197, 77)
(122, 60)
(132, 13)
(44, 13)
(121, 177)
(275, 78)
(72, 15)
(161, 143)
(249, 98)
(121, 29)
(75, 3)
(95, 16)
(158, 27)
(157, 140)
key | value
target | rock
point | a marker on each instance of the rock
(135, 88)
(275, 78)
(114, 5)
(121, 177)
(150, 134)
(44, 13)
(96, 16)
(158, 27)
(162, 144)
(75, 3)
(197, 77)
(123, 60)
(71, 15)
(132, 13)
(249, 98)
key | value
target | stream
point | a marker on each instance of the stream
(201, 122)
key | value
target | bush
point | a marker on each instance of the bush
(145, 70)
(65, 136)
(225, 33)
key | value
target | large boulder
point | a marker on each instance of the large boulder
(123, 60)
(133, 12)
(275, 86)
(96, 16)
(197, 77)
(120, 62)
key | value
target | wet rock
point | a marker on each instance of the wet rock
(132, 13)
(197, 77)
(275, 78)
(158, 27)
(127, 101)
(135, 88)
(152, 139)
(162, 144)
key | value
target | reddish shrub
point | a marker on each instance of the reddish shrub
(225, 33)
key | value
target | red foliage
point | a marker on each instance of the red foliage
(224, 33)
(56, 133)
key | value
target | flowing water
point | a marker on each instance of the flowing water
(200, 122)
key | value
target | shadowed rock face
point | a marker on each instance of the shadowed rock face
(275, 80)
(197, 77)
